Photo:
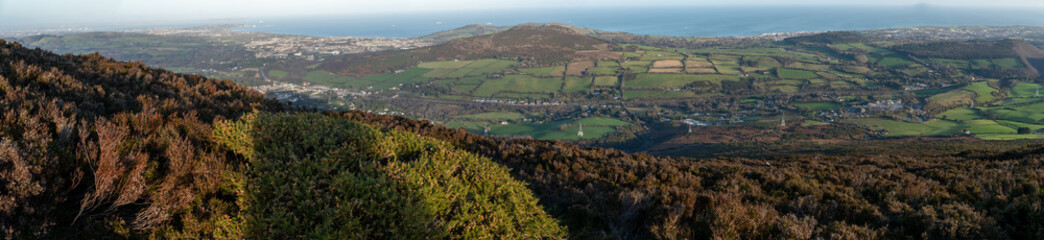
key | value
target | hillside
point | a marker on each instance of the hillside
(829, 38)
(466, 31)
(94, 148)
(528, 44)
(963, 50)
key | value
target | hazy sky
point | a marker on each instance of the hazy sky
(39, 12)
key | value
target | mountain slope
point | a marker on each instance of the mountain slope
(470, 30)
(88, 143)
(94, 148)
(607, 193)
(528, 44)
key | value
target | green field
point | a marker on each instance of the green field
(983, 91)
(954, 98)
(795, 74)
(519, 83)
(633, 94)
(445, 64)
(602, 70)
(606, 81)
(893, 61)
(389, 80)
(329, 79)
(576, 84)
(601, 121)
(277, 73)
(542, 72)
(1014, 124)
(492, 116)
(659, 80)
(959, 114)
(1033, 113)
(463, 88)
(985, 126)
(522, 95)
(562, 129)
(818, 105)
(1008, 63)
(456, 69)
(951, 62)
(485, 66)
(1025, 90)
(1010, 136)
(900, 128)
(472, 126)
(663, 80)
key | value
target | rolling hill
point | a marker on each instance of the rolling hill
(530, 45)
(469, 30)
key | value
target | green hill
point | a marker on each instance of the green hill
(469, 30)
(528, 44)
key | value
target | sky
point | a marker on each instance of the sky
(44, 12)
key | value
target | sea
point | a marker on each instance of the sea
(715, 21)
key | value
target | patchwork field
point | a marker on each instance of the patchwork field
(795, 74)
(456, 69)
(518, 83)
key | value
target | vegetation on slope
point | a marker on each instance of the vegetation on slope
(355, 181)
(93, 148)
(601, 193)
(962, 50)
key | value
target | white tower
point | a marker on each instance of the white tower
(1038, 92)
(783, 120)
(580, 133)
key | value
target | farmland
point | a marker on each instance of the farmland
(561, 130)
(983, 92)
(518, 83)
(873, 84)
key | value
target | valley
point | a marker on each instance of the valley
(819, 136)
(659, 95)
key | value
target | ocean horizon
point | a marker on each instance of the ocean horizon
(679, 21)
